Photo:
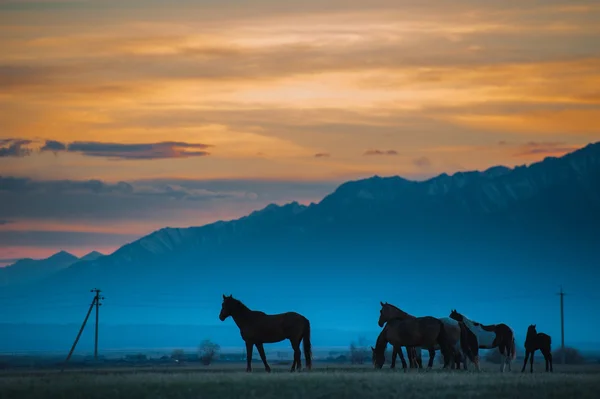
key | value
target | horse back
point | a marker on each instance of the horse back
(269, 328)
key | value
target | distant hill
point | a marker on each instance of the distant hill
(388, 233)
(92, 256)
(27, 270)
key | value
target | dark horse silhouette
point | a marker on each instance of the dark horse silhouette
(498, 336)
(453, 330)
(389, 312)
(258, 328)
(418, 332)
(535, 341)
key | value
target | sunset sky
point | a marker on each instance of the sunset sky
(121, 117)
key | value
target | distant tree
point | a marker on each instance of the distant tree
(208, 351)
(178, 355)
(359, 351)
(572, 356)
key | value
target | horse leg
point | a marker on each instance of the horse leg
(297, 356)
(410, 354)
(525, 362)
(419, 357)
(261, 352)
(457, 359)
(531, 360)
(431, 357)
(550, 357)
(399, 351)
(249, 346)
(502, 350)
(394, 354)
(545, 354)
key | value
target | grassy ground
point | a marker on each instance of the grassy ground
(322, 382)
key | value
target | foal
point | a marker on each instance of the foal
(535, 341)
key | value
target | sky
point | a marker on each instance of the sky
(121, 117)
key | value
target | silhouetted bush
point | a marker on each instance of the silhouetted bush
(359, 352)
(178, 355)
(572, 356)
(208, 351)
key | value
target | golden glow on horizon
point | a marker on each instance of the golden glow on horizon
(271, 86)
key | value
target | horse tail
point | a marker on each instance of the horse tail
(444, 342)
(513, 349)
(306, 344)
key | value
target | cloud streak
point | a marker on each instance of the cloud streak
(380, 152)
(544, 148)
(162, 150)
(14, 148)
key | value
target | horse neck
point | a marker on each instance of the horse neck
(242, 315)
(399, 314)
(530, 338)
(381, 342)
(469, 323)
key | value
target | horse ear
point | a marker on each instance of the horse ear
(381, 303)
(534, 325)
(373, 349)
(224, 296)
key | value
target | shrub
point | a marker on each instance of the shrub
(208, 351)
(572, 356)
(359, 352)
(178, 355)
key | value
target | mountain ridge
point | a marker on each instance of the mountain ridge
(505, 218)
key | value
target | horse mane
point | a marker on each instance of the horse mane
(239, 305)
(399, 310)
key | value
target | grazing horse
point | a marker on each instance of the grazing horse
(258, 328)
(535, 341)
(491, 336)
(418, 332)
(389, 312)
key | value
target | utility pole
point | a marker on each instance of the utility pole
(87, 316)
(562, 325)
(97, 299)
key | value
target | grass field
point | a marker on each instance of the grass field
(322, 382)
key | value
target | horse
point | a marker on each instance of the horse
(535, 341)
(258, 328)
(491, 336)
(389, 312)
(418, 332)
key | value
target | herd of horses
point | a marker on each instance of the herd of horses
(457, 337)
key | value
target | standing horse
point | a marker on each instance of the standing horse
(535, 341)
(389, 312)
(491, 336)
(418, 332)
(258, 328)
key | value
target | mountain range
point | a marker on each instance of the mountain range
(368, 238)
(27, 271)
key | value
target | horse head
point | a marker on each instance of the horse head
(226, 307)
(456, 316)
(531, 329)
(378, 358)
(384, 314)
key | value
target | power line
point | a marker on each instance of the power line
(94, 303)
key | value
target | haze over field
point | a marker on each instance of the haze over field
(121, 118)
